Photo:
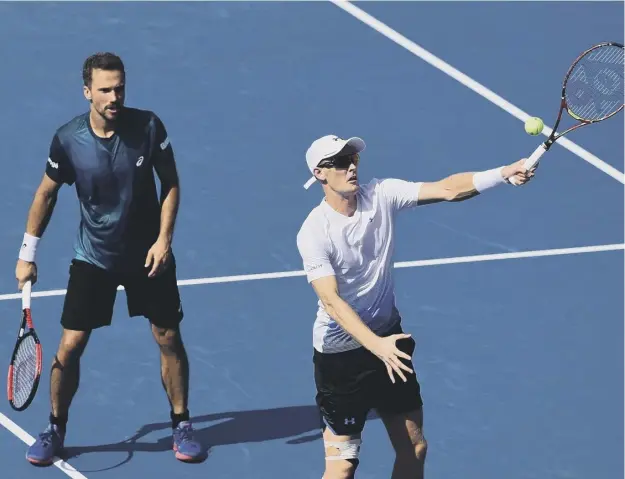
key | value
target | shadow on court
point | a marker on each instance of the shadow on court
(229, 428)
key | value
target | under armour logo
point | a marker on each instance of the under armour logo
(350, 421)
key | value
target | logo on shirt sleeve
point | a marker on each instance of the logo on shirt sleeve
(165, 144)
(53, 164)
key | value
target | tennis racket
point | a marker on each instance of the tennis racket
(592, 91)
(25, 366)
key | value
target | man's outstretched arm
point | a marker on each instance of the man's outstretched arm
(462, 186)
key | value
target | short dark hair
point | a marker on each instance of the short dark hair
(101, 61)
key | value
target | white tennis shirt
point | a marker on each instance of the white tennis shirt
(357, 250)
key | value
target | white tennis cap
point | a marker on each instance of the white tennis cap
(328, 146)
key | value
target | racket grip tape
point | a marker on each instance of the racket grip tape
(26, 291)
(532, 160)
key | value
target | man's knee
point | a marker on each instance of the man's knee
(72, 345)
(414, 453)
(169, 339)
(342, 458)
(421, 449)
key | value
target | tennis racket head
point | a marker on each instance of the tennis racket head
(592, 91)
(24, 371)
(26, 361)
(593, 88)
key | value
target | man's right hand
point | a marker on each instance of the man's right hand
(25, 271)
(386, 350)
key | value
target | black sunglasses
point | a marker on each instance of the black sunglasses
(340, 162)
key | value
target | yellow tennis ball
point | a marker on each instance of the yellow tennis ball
(534, 126)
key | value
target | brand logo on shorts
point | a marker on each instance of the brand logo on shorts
(350, 421)
(140, 161)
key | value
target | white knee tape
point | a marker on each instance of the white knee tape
(347, 449)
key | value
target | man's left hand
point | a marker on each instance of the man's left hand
(158, 257)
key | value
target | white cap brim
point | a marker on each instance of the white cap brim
(357, 144)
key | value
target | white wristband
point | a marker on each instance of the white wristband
(29, 248)
(488, 179)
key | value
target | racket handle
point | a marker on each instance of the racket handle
(532, 160)
(26, 290)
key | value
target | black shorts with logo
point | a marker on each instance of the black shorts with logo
(351, 383)
(91, 293)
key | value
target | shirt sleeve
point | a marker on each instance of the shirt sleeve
(400, 194)
(315, 254)
(163, 151)
(58, 166)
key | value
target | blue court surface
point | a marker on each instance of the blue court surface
(520, 359)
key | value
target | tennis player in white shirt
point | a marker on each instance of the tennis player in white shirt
(362, 358)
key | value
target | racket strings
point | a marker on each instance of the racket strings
(594, 89)
(25, 370)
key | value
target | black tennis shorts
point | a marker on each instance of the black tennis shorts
(91, 293)
(351, 383)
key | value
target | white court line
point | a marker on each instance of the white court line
(29, 440)
(401, 264)
(515, 255)
(472, 84)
